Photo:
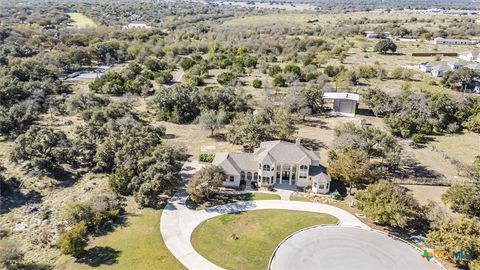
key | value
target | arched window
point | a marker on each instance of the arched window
(303, 167)
(266, 167)
(242, 175)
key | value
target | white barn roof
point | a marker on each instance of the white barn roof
(338, 95)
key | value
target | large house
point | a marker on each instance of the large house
(274, 163)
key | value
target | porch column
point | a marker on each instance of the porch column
(290, 176)
(281, 173)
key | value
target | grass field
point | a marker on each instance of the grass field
(247, 239)
(302, 18)
(137, 245)
(81, 21)
(462, 147)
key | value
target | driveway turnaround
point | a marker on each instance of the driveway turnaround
(337, 247)
(178, 222)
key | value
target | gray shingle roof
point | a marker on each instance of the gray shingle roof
(233, 163)
(285, 152)
(269, 153)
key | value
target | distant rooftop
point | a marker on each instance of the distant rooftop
(341, 95)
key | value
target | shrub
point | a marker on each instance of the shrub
(206, 157)
(279, 80)
(387, 204)
(257, 83)
(336, 195)
(73, 241)
(464, 199)
(418, 139)
(119, 181)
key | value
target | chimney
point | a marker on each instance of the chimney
(298, 141)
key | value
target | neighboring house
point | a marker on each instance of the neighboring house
(373, 34)
(450, 41)
(439, 68)
(344, 104)
(136, 26)
(470, 56)
(274, 163)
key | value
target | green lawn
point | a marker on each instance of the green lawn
(264, 196)
(81, 21)
(224, 198)
(137, 245)
(246, 240)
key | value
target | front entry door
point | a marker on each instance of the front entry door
(286, 175)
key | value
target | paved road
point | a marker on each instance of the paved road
(178, 222)
(336, 247)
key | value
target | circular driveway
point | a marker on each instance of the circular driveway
(338, 247)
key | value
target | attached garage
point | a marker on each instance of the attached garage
(344, 104)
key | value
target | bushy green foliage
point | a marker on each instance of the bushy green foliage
(385, 46)
(226, 78)
(17, 118)
(119, 181)
(97, 213)
(387, 204)
(83, 101)
(249, 130)
(157, 174)
(332, 71)
(350, 165)
(417, 113)
(464, 199)
(73, 241)
(454, 236)
(279, 80)
(257, 83)
(177, 104)
(206, 157)
(206, 182)
(212, 120)
(44, 147)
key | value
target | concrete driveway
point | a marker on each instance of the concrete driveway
(338, 247)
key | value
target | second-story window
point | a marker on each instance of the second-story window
(303, 167)
(266, 167)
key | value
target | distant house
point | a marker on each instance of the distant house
(470, 56)
(136, 26)
(274, 163)
(344, 104)
(373, 34)
(439, 68)
(449, 41)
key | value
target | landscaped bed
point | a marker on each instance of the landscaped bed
(246, 240)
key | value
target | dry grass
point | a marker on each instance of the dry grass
(81, 21)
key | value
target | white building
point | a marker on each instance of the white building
(344, 104)
(136, 26)
(470, 56)
(373, 34)
(274, 163)
(449, 41)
